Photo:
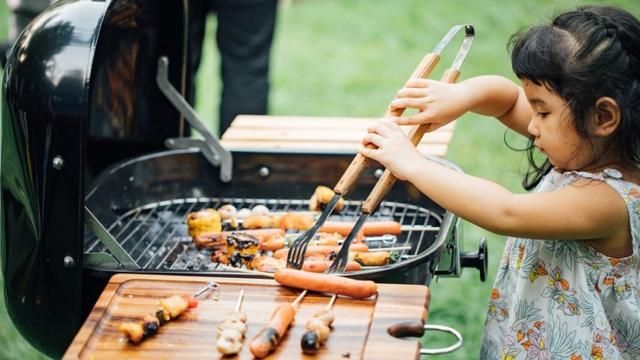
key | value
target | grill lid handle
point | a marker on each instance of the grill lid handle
(211, 147)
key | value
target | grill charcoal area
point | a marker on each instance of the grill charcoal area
(155, 235)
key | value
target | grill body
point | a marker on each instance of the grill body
(143, 202)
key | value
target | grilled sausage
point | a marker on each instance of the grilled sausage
(373, 228)
(278, 242)
(269, 337)
(320, 266)
(359, 289)
(321, 250)
(269, 264)
(210, 240)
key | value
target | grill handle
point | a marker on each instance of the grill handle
(476, 259)
(416, 133)
(211, 148)
(360, 162)
(417, 329)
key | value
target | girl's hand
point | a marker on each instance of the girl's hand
(438, 103)
(395, 151)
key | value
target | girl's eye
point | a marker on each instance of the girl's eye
(542, 114)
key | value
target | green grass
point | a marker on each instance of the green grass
(348, 58)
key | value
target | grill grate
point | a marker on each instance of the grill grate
(155, 235)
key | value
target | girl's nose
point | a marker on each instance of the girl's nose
(532, 128)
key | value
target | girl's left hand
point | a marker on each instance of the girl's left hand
(395, 151)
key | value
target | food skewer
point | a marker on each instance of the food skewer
(268, 338)
(318, 329)
(230, 332)
(170, 308)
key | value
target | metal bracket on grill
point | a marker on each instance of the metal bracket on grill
(210, 147)
(109, 241)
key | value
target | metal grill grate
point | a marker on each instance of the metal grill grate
(155, 235)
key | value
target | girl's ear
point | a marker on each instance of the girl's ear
(607, 116)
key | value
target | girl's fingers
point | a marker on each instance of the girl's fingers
(370, 153)
(414, 103)
(391, 126)
(374, 139)
(417, 83)
(415, 119)
(411, 92)
(380, 128)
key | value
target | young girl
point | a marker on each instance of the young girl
(567, 286)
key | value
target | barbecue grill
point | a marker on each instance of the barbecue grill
(93, 93)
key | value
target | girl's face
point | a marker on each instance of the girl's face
(551, 125)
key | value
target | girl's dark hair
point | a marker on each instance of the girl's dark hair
(582, 56)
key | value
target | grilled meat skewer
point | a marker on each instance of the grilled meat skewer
(170, 308)
(318, 329)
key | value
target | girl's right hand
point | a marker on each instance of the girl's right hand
(438, 103)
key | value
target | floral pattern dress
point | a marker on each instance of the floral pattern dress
(563, 299)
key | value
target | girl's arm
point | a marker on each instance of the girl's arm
(585, 210)
(440, 103)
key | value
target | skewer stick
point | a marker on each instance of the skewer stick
(299, 299)
(333, 299)
(210, 285)
(239, 303)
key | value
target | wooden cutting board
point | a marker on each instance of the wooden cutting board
(359, 330)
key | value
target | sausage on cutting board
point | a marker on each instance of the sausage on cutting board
(268, 338)
(327, 283)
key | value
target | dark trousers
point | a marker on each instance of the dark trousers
(244, 35)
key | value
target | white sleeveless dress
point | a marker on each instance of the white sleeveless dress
(561, 299)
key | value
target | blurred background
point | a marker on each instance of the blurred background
(348, 58)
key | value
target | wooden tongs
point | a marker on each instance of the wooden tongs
(295, 257)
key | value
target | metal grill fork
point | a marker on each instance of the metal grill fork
(295, 257)
(387, 179)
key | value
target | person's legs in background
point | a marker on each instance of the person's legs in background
(244, 37)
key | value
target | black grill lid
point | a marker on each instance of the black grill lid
(78, 94)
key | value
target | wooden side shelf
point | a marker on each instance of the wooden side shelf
(341, 134)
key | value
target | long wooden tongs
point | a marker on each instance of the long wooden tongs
(415, 134)
(295, 257)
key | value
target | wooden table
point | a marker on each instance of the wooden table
(316, 133)
(359, 331)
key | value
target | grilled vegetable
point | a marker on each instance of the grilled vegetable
(203, 222)
(377, 258)
(321, 197)
(296, 221)
(227, 211)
